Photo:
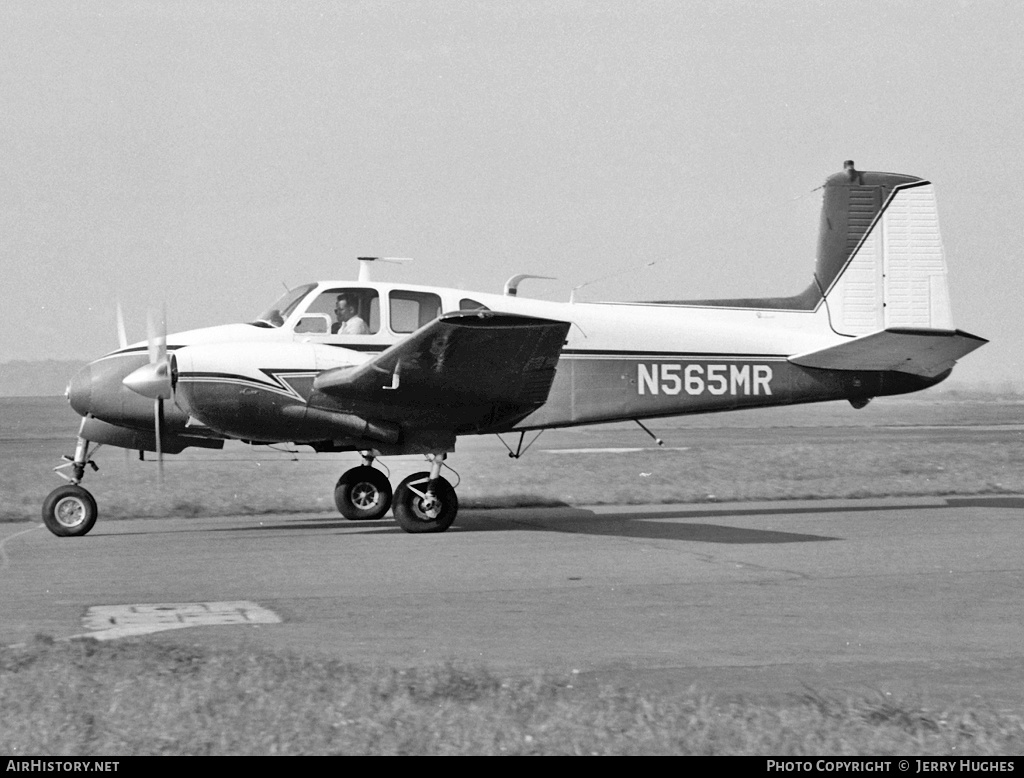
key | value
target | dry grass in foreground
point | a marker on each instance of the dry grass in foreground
(134, 698)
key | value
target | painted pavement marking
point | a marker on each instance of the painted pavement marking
(109, 622)
(4, 561)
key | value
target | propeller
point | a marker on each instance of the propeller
(122, 337)
(155, 380)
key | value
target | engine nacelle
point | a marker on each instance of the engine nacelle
(260, 391)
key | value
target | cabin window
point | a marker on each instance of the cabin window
(314, 324)
(357, 312)
(411, 310)
(466, 304)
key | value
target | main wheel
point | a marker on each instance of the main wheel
(69, 511)
(363, 494)
(416, 512)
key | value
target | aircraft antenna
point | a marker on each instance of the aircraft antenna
(364, 265)
(631, 269)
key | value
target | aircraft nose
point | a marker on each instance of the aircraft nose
(79, 391)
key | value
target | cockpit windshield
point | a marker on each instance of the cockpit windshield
(275, 315)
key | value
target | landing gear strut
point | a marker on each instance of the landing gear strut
(363, 493)
(69, 510)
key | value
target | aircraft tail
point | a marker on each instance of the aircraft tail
(881, 275)
(880, 260)
(881, 272)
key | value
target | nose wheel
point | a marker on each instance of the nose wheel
(363, 494)
(69, 511)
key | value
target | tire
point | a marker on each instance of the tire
(69, 511)
(363, 494)
(408, 507)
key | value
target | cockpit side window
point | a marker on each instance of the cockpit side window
(466, 304)
(275, 315)
(352, 311)
(411, 310)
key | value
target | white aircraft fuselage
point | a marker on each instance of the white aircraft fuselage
(619, 362)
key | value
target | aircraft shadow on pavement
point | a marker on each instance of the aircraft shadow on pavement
(668, 526)
(678, 524)
(633, 525)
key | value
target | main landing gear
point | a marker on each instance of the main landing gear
(363, 493)
(69, 510)
(423, 502)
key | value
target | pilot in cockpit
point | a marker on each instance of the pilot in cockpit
(349, 321)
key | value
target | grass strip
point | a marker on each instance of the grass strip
(148, 698)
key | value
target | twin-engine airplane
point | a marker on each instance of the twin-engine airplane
(387, 369)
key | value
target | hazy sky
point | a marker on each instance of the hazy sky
(203, 154)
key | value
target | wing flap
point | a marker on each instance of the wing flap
(460, 359)
(923, 352)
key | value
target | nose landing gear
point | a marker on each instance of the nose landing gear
(70, 510)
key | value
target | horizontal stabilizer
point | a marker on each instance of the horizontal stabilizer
(923, 352)
(460, 359)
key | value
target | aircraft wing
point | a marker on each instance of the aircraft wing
(924, 352)
(464, 359)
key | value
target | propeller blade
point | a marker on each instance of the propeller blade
(155, 379)
(151, 345)
(122, 337)
(156, 332)
(158, 424)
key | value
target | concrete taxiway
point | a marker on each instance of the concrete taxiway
(909, 597)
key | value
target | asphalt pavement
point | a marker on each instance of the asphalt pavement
(915, 597)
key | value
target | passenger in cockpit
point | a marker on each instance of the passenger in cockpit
(349, 322)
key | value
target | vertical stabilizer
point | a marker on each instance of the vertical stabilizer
(880, 258)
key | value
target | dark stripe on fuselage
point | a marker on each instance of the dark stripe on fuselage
(124, 352)
(627, 354)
